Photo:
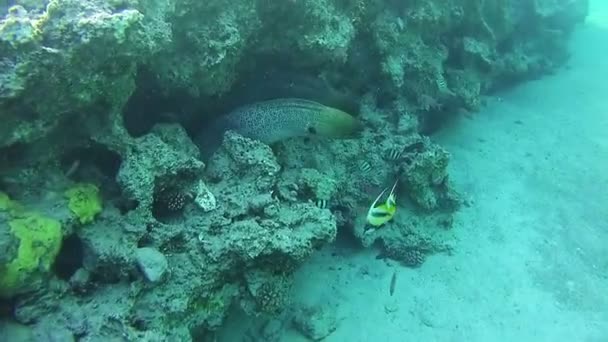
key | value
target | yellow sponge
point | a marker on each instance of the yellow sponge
(39, 242)
(84, 201)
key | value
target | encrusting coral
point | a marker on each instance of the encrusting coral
(105, 97)
(84, 202)
(37, 240)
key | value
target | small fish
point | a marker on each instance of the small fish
(321, 203)
(365, 166)
(441, 84)
(73, 168)
(391, 289)
(394, 153)
(378, 215)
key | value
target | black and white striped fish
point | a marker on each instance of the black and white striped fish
(394, 153)
(321, 203)
(364, 166)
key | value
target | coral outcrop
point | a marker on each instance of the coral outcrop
(123, 232)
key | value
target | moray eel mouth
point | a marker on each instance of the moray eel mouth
(335, 123)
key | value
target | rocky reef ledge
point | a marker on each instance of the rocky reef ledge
(111, 224)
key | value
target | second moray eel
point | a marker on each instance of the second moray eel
(279, 119)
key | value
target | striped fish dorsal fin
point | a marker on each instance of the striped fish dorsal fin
(391, 201)
(391, 196)
(373, 206)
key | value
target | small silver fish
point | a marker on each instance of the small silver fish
(391, 289)
(73, 168)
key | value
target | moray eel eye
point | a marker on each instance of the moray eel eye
(312, 130)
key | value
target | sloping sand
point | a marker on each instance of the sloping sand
(531, 261)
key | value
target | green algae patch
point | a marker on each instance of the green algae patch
(5, 202)
(84, 201)
(11, 207)
(40, 239)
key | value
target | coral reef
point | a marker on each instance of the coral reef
(316, 322)
(57, 63)
(84, 202)
(116, 229)
(39, 240)
(270, 294)
(423, 171)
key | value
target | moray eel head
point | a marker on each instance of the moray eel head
(334, 123)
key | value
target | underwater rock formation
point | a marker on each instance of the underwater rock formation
(316, 322)
(59, 61)
(205, 256)
(71, 58)
(138, 238)
(423, 170)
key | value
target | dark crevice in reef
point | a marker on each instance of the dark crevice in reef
(125, 205)
(11, 155)
(145, 241)
(91, 163)
(70, 257)
(268, 77)
(361, 73)
(7, 306)
(346, 239)
(272, 77)
(97, 164)
(433, 121)
(150, 105)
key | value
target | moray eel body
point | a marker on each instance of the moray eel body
(276, 120)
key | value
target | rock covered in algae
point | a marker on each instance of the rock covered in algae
(53, 58)
(316, 322)
(32, 241)
(74, 64)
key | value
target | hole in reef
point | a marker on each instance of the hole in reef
(346, 240)
(432, 121)
(151, 104)
(124, 205)
(99, 165)
(145, 241)
(263, 78)
(92, 163)
(11, 155)
(7, 307)
(70, 257)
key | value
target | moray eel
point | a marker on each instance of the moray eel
(279, 119)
